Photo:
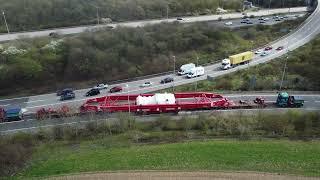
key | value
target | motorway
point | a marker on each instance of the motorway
(76, 30)
(305, 33)
(312, 103)
(236, 23)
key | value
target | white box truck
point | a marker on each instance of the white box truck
(195, 72)
(186, 68)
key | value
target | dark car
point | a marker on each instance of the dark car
(93, 92)
(53, 34)
(279, 48)
(179, 19)
(67, 96)
(249, 22)
(64, 91)
(115, 89)
(268, 48)
(166, 80)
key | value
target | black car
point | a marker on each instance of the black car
(67, 96)
(64, 91)
(166, 80)
(93, 92)
(249, 22)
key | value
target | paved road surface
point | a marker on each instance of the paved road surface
(312, 103)
(236, 23)
(75, 30)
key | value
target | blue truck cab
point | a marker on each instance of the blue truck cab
(285, 100)
(12, 114)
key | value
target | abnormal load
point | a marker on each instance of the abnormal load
(166, 98)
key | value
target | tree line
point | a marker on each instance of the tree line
(24, 15)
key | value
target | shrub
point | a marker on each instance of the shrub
(58, 133)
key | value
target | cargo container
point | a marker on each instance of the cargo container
(235, 60)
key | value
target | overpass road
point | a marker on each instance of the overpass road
(76, 30)
(305, 33)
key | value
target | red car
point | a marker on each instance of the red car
(279, 48)
(115, 89)
(268, 48)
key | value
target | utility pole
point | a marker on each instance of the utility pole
(167, 12)
(98, 18)
(97, 13)
(196, 84)
(285, 65)
(289, 4)
(5, 21)
(284, 72)
(127, 85)
(174, 71)
(269, 6)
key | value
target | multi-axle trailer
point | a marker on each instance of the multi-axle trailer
(164, 103)
(156, 104)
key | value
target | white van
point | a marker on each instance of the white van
(186, 68)
(195, 72)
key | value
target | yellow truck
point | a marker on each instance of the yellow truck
(242, 58)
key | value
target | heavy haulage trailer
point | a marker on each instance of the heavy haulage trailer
(164, 103)
(158, 103)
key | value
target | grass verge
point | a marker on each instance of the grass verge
(276, 156)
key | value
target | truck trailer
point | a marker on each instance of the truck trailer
(186, 68)
(235, 60)
(196, 72)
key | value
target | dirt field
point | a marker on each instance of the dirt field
(153, 175)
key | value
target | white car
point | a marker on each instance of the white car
(228, 23)
(266, 19)
(146, 84)
(258, 51)
(101, 86)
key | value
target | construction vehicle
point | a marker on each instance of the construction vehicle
(186, 68)
(238, 59)
(285, 100)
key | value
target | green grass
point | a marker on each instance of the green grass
(276, 156)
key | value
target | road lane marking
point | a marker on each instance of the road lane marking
(34, 101)
(4, 105)
(317, 101)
